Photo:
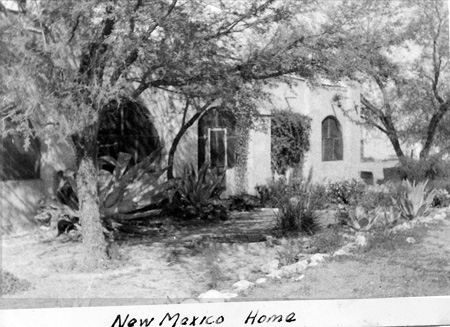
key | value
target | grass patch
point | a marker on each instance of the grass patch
(328, 240)
(383, 241)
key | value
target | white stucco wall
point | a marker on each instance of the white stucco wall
(20, 198)
(317, 103)
(167, 114)
(258, 160)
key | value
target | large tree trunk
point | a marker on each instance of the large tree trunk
(432, 128)
(391, 133)
(94, 243)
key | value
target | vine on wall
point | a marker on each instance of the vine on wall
(290, 139)
(241, 153)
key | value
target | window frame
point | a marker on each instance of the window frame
(335, 144)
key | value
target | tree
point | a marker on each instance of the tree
(399, 52)
(65, 63)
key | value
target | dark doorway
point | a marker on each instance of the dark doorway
(127, 127)
(217, 139)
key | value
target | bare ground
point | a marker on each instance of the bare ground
(159, 272)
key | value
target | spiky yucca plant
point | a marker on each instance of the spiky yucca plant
(130, 189)
(415, 200)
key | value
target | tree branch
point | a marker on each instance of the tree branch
(133, 55)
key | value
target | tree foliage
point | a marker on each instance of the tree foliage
(64, 63)
(399, 52)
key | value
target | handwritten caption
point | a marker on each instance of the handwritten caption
(176, 319)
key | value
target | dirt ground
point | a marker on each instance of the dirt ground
(157, 272)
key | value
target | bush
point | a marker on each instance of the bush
(432, 168)
(372, 200)
(276, 191)
(297, 204)
(346, 192)
(441, 198)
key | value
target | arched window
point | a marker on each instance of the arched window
(332, 145)
(127, 127)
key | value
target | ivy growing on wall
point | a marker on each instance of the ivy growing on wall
(290, 139)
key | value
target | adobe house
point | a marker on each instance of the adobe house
(336, 145)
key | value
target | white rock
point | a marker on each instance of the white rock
(402, 227)
(440, 216)
(215, 296)
(345, 250)
(276, 274)
(211, 296)
(296, 268)
(411, 240)
(261, 281)
(242, 285)
(313, 264)
(318, 257)
(270, 266)
(299, 278)
(361, 240)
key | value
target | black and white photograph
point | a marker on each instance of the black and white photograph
(174, 152)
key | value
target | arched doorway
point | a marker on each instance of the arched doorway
(217, 139)
(127, 127)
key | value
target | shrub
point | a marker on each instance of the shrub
(346, 192)
(441, 198)
(244, 202)
(431, 168)
(277, 191)
(297, 207)
(373, 199)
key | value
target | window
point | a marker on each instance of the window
(332, 145)
(367, 177)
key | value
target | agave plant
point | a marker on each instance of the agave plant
(198, 190)
(128, 191)
(415, 200)
(363, 220)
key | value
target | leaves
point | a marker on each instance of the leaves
(398, 51)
